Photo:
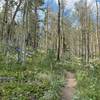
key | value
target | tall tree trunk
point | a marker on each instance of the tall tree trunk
(59, 34)
(97, 27)
(62, 23)
(35, 31)
(4, 23)
(47, 18)
(13, 18)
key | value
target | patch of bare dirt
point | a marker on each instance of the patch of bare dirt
(69, 88)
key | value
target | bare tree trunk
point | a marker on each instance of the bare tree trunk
(97, 28)
(62, 23)
(47, 15)
(13, 18)
(58, 52)
(36, 22)
(4, 23)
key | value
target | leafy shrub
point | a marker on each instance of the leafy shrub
(39, 78)
(88, 82)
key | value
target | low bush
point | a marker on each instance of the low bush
(88, 82)
(38, 79)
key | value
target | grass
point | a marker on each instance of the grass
(39, 78)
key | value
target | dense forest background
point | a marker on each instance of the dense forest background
(38, 45)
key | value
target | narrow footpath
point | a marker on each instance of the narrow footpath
(69, 88)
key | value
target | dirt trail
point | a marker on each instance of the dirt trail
(69, 88)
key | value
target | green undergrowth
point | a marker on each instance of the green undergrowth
(88, 81)
(41, 78)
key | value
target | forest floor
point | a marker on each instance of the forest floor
(69, 88)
